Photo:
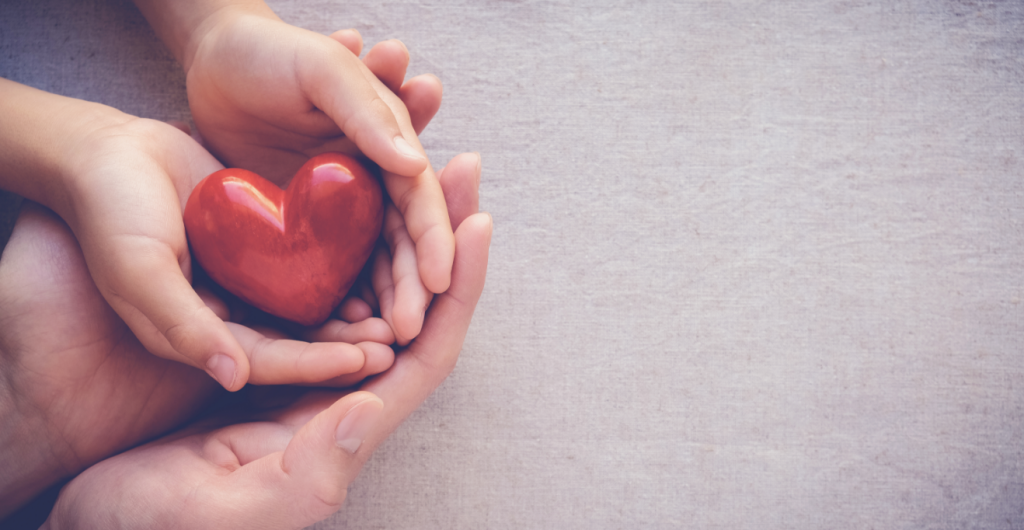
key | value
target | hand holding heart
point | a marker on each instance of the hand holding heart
(76, 347)
(120, 183)
(290, 467)
(138, 257)
(311, 95)
(78, 373)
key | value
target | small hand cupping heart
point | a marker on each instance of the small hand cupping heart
(293, 253)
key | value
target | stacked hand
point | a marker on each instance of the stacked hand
(266, 96)
(88, 299)
(78, 386)
(121, 183)
(290, 467)
(89, 385)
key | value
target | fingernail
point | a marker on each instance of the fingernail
(406, 148)
(357, 424)
(223, 369)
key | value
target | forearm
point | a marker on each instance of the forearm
(38, 134)
(180, 24)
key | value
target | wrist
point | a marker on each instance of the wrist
(78, 146)
(38, 130)
(184, 24)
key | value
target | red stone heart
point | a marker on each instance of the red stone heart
(293, 253)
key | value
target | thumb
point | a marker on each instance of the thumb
(150, 293)
(325, 456)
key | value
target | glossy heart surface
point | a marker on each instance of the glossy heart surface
(293, 253)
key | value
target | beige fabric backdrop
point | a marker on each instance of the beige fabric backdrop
(756, 264)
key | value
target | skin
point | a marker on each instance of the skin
(263, 100)
(121, 182)
(79, 387)
(71, 378)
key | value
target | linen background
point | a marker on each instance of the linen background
(755, 264)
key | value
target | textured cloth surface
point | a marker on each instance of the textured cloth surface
(755, 265)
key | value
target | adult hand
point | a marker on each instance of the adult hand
(120, 182)
(78, 386)
(396, 279)
(394, 264)
(291, 468)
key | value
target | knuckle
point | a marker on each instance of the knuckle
(325, 498)
(260, 350)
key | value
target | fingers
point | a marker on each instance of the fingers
(350, 99)
(349, 38)
(371, 335)
(421, 203)
(338, 353)
(439, 343)
(275, 361)
(431, 357)
(388, 60)
(403, 298)
(359, 112)
(460, 181)
(152, 296)
(418, 198)
(330, 442)
(401, 292)
(354, 309)
(365, 329)
(422, 96)
(379, 358)
(308, 481)
(367, 119)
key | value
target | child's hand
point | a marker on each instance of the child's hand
(394, 261)
(266, 96)
(78, 386)
(270, 95)
(120, 183)
(290, 467)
